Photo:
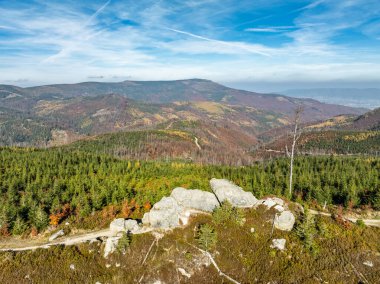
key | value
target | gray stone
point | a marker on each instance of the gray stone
(131, 225)
(195, 199)
(118, 225)
(164, 214)
(279, 208)
(284, 221)
(56, 235)
(227, 191)
(111, 245)
(278, 244)
(271, 202)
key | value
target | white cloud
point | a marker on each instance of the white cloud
(61, 43)
(278, 29)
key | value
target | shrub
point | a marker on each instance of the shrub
(19, 227)
(124, 243)
(227, 213)
(360, 223)
(306, 231)
(206, 237)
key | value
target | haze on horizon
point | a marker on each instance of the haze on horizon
(268, 45)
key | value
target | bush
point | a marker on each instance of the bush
(360, 223)
(206, 237)
(227, 213)
(306, 231)
(19, 227)
(124, 243)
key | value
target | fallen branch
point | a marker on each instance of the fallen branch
(215, 265)
(150, 248)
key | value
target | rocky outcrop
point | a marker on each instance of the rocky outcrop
(227, 191)
(195, 199)
(164, 214)
(122, 225)
(278, 244)
(284, 221)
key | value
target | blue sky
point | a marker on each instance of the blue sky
(262, 44)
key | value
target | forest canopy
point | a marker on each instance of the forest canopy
(39, 187)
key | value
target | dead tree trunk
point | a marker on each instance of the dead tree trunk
(296, 136)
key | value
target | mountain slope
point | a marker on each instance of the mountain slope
(188, 90)
(338, 135)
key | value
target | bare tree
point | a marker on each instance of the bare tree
(296, 135)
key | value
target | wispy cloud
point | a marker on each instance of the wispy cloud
(237, 45)
(278, 29)
(63, 41)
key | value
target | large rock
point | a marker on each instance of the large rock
(111, 245)
(118, 225)
(164, 214)
(122, 225)
(131, 225)
(284, 221)
(195, 199)
(227, 191)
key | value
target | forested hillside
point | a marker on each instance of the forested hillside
(42, 186)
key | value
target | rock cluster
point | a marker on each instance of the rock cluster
(175, 210)
(122, 225)
(284, 219)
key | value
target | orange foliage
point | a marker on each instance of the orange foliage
(126, 209)
(62, 213)
(109, 212)
(34, 232)
(147, 206)
(4, 230)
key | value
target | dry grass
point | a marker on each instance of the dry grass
(243, 255)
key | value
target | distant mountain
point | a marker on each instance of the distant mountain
(37, 115)
(183, 90)
(367, 98)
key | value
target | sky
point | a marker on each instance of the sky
(262, 45)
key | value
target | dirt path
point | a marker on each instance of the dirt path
(73, 240)
(368, 222)
(67, 241)
(196, 143)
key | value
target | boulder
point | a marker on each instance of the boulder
(118, 225)
(278, 244)
(271, 202)
(284, 221)
(279, 208)
(227, 191)
(56, 235)
(111, 245)
(195, 199)
(164, 214)
(131, 225)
